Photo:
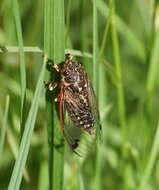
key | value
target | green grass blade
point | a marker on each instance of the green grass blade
(54, 46)
(26, 138)
(153, 68)
(102, 70)
(104, 40)
(4, 126)
(97, 183)
(83, 35)
(43, 176)
(95, 47)
(15, 49)
(43, 181)
(125, 31)
(78, 53)
(153, 156)
(68, 16)
(22, 61)
(120, 91)
(14, 145)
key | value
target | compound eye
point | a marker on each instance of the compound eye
(79, 64)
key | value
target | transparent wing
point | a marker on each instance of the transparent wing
(79, 140)
(72, 134)
(94, 108)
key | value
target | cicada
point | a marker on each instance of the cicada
(78, 108)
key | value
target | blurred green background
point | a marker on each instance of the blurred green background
(128, 94)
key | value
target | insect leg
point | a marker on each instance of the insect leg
(56, 67)
(49, 60)
(68, 57)
(49, 64)
(51, 85)
(57, 99)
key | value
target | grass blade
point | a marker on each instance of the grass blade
(97, 183)
(13, 144)
(22, 61)
(68, 16)
(95, 47)
(4, 126)
(153, 68)
(151, 162)
(15, 49)
(26, 138)
(107, 26)
(120, 92)
(54, 46)
(83, 36)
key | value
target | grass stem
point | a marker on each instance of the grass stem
(54, 46)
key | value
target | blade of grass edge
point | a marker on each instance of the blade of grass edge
(19, 166)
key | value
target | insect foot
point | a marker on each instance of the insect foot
(57, 99)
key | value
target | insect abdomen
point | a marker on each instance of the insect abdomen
(79, 112)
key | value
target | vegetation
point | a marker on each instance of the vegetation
(118, 42)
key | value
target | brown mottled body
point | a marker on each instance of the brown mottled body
(75, 94)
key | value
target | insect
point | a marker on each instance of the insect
(78, 110)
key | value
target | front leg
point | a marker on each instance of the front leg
(57, 67)
(49, 64)
(51, 85)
